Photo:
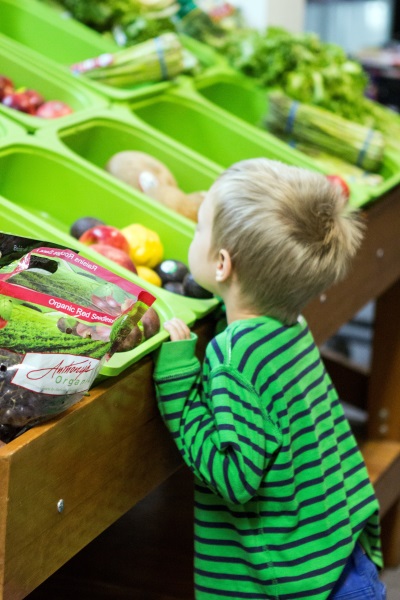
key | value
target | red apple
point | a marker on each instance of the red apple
(35, 99)
(18, 101)
(6, 86)
(340, 182)
(105, 234)
(115, 254)
(53, 109)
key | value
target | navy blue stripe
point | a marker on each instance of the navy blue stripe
(234, 544)
(210, 463)
(296, 380)
(299, 544)
(229, 576)
(280, 351)
(255, 447)
(228, 594)
(217, 350)
(226, 480)
(237, 336)
(257, 344)
(235, 398)
(246, 486)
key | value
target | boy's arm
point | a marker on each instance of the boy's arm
(226, 439)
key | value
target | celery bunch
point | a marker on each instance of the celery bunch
(359, 145)
(153, 60)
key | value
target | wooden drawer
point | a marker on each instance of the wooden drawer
(98, 459)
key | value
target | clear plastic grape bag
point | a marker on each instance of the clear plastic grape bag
(61, 317)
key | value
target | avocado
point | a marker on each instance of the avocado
(83, 224)
(171, 270)
(175, 287)
(192, 289)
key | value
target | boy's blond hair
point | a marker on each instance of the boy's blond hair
(289, 232)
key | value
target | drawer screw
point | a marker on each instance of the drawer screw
(383, 414)
(60, 505)
(322, 298)
(380, 253)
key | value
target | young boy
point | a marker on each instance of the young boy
(284, 508)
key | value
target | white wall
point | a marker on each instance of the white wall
(335, 23)
(259, 14)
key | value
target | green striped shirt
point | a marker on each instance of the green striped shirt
(281, 490)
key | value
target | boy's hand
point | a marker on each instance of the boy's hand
(177, 329)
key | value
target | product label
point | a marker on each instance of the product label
(57, 374)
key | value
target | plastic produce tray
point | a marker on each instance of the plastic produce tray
(10, 128)
(62, 41)
(74, 189)
(239, 96)
(27, 71)
(17, 222)
(96, 138)
(184, 115)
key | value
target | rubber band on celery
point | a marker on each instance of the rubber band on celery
(364, 149)
(291, 117)
(161, 57)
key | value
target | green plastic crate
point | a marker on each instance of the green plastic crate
(15, 221)
(10, 128)
(27, 72)
(62, 41)
(97, 137)
(241, 97)
(184, 115)
(57, 188)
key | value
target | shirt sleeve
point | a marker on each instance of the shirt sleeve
(224, 437)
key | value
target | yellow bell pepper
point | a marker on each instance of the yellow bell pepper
(145, 246)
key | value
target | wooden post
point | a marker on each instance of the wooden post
(384, 385)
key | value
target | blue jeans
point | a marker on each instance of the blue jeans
(359, 580)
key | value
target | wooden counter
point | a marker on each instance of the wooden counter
(64, 482)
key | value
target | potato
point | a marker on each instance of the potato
(197, 197)
(176, 199)
(140, 170)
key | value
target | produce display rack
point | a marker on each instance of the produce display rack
(241, 97)
(58, 42)
(65, 481)
(31, 72)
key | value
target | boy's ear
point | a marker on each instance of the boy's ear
(224, 266)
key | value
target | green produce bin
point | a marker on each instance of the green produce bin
(241, 97)
(62, 41)
(10, 128)
(30, 72)
(15, 221)
(56, 189)
(185, 116)
(101, 135)
(181, 114)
